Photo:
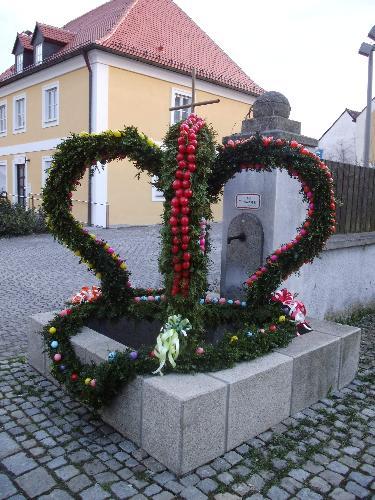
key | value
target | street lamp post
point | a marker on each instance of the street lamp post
(367, 50)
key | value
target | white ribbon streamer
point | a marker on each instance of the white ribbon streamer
(168, 341)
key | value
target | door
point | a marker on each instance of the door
(21, 185)
(3, 179)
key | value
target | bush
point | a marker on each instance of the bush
(15, 220)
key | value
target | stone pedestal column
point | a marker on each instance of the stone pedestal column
(275, 203)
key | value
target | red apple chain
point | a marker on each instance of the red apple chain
(179, 221)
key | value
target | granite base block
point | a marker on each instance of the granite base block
(259, 396)
(185, 421)
(350, 341)
(316, 362)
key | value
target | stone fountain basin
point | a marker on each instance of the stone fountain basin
(185, 421)
(135, 333)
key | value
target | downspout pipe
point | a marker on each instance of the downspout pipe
(89, 194)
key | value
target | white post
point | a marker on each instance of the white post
(100, 89)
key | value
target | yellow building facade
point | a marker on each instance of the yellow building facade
(101, 90)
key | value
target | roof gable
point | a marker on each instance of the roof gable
(346, 111)
(23, 39)
(353, 114)
(53, 34)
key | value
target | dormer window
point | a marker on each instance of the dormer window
(19, 63)
(38, 53)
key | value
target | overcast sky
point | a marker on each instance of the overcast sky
(306, 49)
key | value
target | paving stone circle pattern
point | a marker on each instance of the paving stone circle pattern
(52, 447)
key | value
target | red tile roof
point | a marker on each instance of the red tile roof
(154, 31)
(54, 34)
(25, 40)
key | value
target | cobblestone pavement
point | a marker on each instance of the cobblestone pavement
(38, 274)
(52, 447)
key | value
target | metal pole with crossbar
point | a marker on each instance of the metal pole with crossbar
(194, 104)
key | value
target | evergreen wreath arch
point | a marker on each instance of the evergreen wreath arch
(192, 171)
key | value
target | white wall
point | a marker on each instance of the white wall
(339, 143)
(342, 280)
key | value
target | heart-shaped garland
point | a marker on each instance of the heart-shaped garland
(191, 175)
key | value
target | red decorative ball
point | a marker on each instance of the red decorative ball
(173, 221)
(186, 256)
(185, 229)
(191, 158)
(183, 201)
(272, 328)
(192, 167)
(177, 267)
(185, 210)
(175, 202)
(175, 210)
(185, 265)
(182, 148)
(174, 249)
(184, 246)
(190, 149)
(185, 238)
(192, 137)
(176, 240)
(179, 193)
(74, 377)
(175, 260)
(185, 184)
(182, 164)
(332, 206)
(177, 184)
(184, 221)
(179, 157)
(188, 193)
(179, 174)
(293, 144)
(175, 230)
(186, 274)
(187, 175)
(181, 140)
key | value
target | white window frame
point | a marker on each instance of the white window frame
(45, 122)
(15, 99)
(176, 91)
(38, 53)
(3, 133)
(45, 160)
(19, 63)
(4, 163)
